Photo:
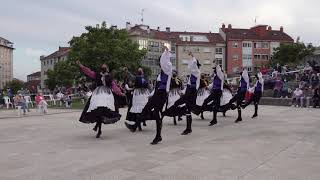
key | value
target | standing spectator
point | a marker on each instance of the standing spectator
(316, 97)
(264, 70)
(277, 88)
(278, 68)
(285, 88)
(297, 94)
(314, 81)
(67, 99)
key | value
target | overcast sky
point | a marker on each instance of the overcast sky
(38, 27)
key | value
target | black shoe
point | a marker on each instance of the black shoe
(233, 107)
(144, 123)
(95, 128)
(98, 134)
(213, 122)
(132, 128)
(202, 116)
(179, 118)
(156, 140)
(255, 115)
(238, 120)
(224, 114)
(186, 132)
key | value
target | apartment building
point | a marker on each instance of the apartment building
(6, 61)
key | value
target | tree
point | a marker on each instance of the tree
(64, 74)
(292, 54)
(112, 46)
(15, 85)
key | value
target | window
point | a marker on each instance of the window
(246, 44)
(218, 50)
(261, 45)
(261, 57)
(247, 56)
(235, 57)
(234, 44)
(44, 63)
(235, 69)
(143, 44)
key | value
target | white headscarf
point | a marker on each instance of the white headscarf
(220, 75)
(245, 76)
(166, 67)
(194, 70)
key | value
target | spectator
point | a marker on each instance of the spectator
(297, 94)
(285, 89)
(306, 97)
(67, 100)
(314, 81)
(20, 101)
(316, 97)
(278, 68)
(264, 70)
(41, 103)
(277, 88)
(60, 97)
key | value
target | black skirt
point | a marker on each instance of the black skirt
(104, 114)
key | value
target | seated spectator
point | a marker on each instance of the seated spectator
(277, 88)
(20, 101)
(41, 103)
(306, 97)
(316, 97)
(285, 88)
(296, 96)
(67, 100)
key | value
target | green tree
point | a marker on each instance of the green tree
(292, 54)
(15, 85)
(64, 74)
(112, 46)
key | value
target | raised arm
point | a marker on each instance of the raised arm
(87, 71)
(116, 89)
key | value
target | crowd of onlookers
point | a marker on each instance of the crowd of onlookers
(303, 87)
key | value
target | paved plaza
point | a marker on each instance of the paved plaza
(282, 143)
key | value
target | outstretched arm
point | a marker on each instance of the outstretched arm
(87, 71)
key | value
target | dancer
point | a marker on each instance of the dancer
(176, 87)
(140, 98)
(225, 98)
(202, 94)
(189, 98)
(239, 97)
(159, 97)
(100, 107)
(216, 93)
(258, 89)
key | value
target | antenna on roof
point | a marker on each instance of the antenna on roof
(255, 20)
(142, 11)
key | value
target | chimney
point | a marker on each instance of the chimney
(229, 26)
(168, 29)
(158, 29)
(269, 28)
(128, 26)
(281, 28)
(223, 26)
(114, 27)
(148, 29)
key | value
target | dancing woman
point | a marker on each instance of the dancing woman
(258, 89)
(216, 93)
(239, 97)
(176, 87)
(189, 98)
(100, 107)
(202, 94)
(139, 100)
(159, 97)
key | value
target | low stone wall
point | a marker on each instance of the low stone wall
(276, 101)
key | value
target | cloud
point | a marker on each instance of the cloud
(34, 52)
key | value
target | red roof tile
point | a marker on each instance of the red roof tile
(62, 51)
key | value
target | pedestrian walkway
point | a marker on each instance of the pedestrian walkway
(282, 143)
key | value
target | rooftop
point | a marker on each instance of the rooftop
(35, 74)
(6, 43)
(62, 51)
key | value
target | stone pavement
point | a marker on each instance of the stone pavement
(283, 143)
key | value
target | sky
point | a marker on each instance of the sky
(38, 27)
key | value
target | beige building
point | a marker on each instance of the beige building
(153, 41)
(48, 62)
(207, 48)
(6, 61)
